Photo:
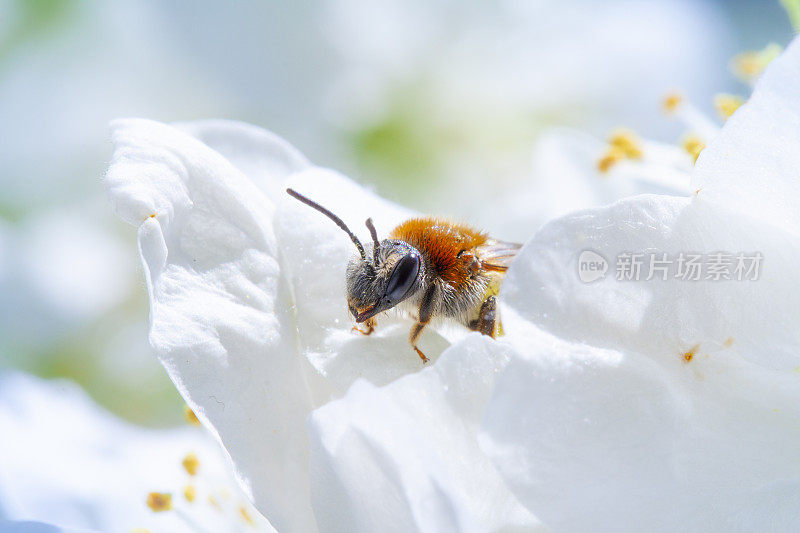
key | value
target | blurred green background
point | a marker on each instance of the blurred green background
(435, 104)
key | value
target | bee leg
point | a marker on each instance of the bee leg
(426, 309)
(415, 333)
(487, 318)
(370, 323)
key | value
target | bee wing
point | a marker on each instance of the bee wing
(497, 255)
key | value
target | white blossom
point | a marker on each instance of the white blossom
(607, 405)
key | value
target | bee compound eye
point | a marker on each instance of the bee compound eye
(402, 278)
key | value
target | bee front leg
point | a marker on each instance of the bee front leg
(415, 333)
(426, 308)
(370, 323)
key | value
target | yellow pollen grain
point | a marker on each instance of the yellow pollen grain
(609, 159)
(671, 102)
(693, 145)
(726, 105)
(140, 530)
(627, 142)
(189, 416)
(749, 65)
(246, 516)
(688, 356)
(190, 493)
(159, 501)
(191, 463)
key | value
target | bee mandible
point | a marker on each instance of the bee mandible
(428, 267)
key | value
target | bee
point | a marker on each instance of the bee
(429, 268)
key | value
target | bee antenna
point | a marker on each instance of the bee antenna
(336, 220)
(374, 234)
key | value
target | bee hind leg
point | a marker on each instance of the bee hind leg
(370, 323)
(488, 321)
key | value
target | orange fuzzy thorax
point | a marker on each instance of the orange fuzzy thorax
(441, 242)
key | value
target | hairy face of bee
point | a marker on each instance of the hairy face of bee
(378, 285)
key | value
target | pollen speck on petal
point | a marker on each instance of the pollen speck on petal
(246, 517)
(627, 141)
(159, 501)
(693, 145)
(190, 417)
(609, 159)
(749, 65)
(689, 354)
(671, 102)
(191, 463)
(727, 104)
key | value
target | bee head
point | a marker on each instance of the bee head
(381, 280)
(384, 280)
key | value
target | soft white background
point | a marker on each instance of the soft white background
(330, 77)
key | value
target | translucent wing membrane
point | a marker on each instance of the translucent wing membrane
(497, 255)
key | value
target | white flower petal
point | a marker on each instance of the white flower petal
(752, 167)
(630, 440)
(404, 457)
(220, 312)
(261, 155)
(674, 315)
